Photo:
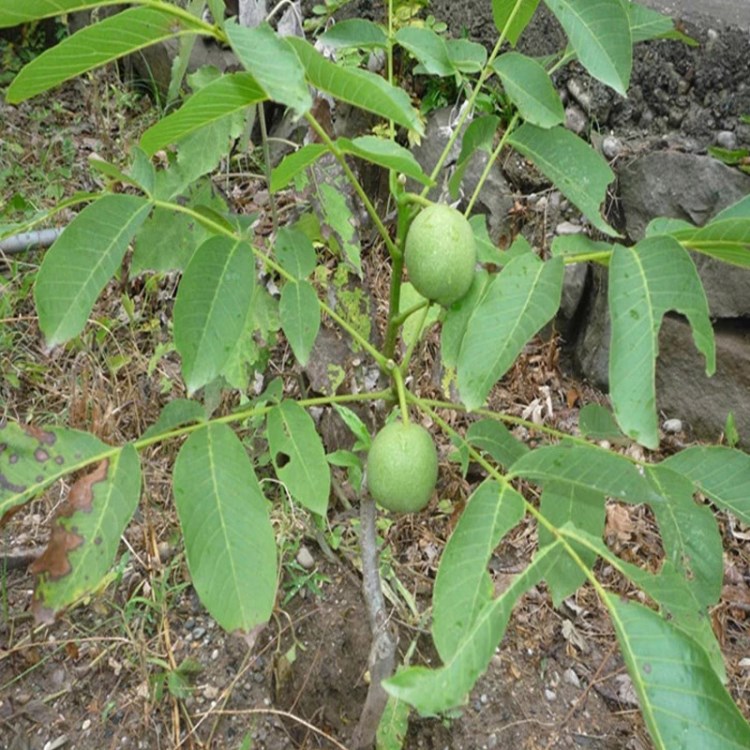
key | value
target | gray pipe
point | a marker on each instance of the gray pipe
(19, 243)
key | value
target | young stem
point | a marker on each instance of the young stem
(267, 164)
(358, 189)
(401, 391)
(490, 163)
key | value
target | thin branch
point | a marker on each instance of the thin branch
(382, 659)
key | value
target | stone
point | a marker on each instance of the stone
(682, 385)
(305, 558)
(611, 147)
(575, 119)
(686, 186)
(726, 139)
(672, 426)
(496, 197)
(574, 285)
(677, 185)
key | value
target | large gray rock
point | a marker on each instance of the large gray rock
(684, 391)
(695, 188)
(496, 198)
(677, 185)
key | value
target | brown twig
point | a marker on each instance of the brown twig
(382, 659)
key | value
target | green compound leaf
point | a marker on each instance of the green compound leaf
(299, 311)
(357, 87)
(385, 153)
(689, 533)
(515, 14)
(229, 541)
(726, 237)
(14, 14)
(599, 32)
(682, 699)
(588, 468)
(95, 45)
(225, 97)
(516, 304)
(647, 24)
(86, 533)
(355, 32)
(432, 691)
(598, 423)
(645, 282)
(563, 503)
(428, 48)
(212, 303)
(294, 252)
(31, 458)
(530, 88)
(81, 262)
(581, 174)
(723, 474)
(298, 161)
(493, 438)
(284, 80)
(463, 586)
(668, 588)
(298, 456)
(176, 413)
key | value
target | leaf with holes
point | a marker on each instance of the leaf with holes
(298, 456)
(645, 282)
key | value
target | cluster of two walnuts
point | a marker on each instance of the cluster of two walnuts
(440, 256)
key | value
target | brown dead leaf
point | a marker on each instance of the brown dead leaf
(619, 522)
(53, 562)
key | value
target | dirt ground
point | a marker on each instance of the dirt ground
(142, 665)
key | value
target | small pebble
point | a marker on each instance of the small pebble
(189, 623)
(305, 558)
(575, 119)
(86, 724)
(672, 426)
(611, 147)
(198, 633)
(210, 692)
(567, 228)
(571, 678)
(550, 695)
(483, 698)
(215, 654)
(726, 139)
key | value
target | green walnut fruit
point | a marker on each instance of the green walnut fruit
(440, 254)
(402, 467)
